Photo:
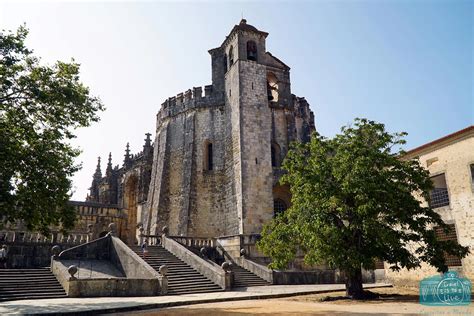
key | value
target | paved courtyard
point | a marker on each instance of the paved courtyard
(89, 306)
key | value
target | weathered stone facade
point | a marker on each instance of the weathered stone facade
(125, 189)
(213, 169)
(452, 158)
(217, 155)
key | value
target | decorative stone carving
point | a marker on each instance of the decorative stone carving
(72, 271)
(226, 266)
(55, 250)
(112, 229)
(243, 252)
(165, 230)
(163, 270)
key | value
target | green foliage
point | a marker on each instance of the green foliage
(353, 202)
(40, 107)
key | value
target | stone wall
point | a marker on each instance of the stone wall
(453, 159)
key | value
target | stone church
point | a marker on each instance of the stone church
(214, 165)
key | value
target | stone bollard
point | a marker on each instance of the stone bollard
(229, 275)
(163, 270)
(72, 270)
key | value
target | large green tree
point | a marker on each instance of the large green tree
(353, 203)
(40, 108)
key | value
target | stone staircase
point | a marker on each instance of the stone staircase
(182, 278)
(19, 284)
(245, 278)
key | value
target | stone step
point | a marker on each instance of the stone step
(173, 278)
(245, 278)
(7, 279)
(182, 278)
(185, 281)
(31, 296)
(18, 284)
(193, 291)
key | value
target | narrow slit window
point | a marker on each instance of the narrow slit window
(210, 162)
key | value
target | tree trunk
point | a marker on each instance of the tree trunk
(354, 284)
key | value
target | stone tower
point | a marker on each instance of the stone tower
(214, 165)
(217, 156)
(250, 116)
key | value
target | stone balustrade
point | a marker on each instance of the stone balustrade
(35, 237)
(152, 239)
(196, 242)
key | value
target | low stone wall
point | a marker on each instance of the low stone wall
(304, 277)
(129, 262)
(126, 273)
(28, 255)
(211, 271)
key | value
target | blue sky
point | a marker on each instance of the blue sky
(408, 64)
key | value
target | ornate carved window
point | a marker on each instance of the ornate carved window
(251, 51)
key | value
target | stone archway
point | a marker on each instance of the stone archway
(130, 206)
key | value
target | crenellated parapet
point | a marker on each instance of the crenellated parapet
(189, 100)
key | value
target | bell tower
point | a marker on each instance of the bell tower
(246, 97)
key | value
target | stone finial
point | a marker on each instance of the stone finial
(243, 252)
(112, 228)
(127, 158)
(98, 172)
(55, 250)
(203, 252)
(147, 140)
(226, 266)
(72, 271)
(109, 165)
(163, 270)
(165, 230)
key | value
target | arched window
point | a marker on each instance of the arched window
(251, 51)
(208, 156)
(225, 63)
(231, 56)
(279, 206)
